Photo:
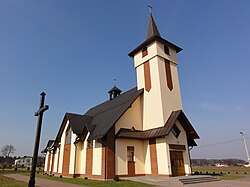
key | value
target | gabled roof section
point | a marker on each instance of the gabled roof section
(48, 146)
(153, 34)
(76, 122)
(152, 28)
(108, 113)
(162, 131)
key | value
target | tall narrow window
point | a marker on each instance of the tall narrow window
(147, 77)
(144, 52)
(166, 49)
(168, 75)
(130, 153)
(90, 144)
(68, 137)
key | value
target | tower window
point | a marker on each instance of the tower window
(176, 131)
(130, 153)
(144, 52)
(166, 50)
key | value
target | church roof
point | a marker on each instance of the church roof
(49, 145)
(161, 131)
(108, 113)
(153, 34)
(101, 118)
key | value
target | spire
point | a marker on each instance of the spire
(152, 28)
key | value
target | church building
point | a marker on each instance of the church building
(141, 132)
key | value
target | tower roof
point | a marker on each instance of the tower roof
(153, 34)
(152, 28)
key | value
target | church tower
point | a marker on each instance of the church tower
(155, 61)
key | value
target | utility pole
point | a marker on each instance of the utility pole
(39, 114)
(245, 144)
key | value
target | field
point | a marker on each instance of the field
(7, 182)
(223, 172)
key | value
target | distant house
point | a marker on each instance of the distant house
(25, 162)
(143, 131)
(221, 165)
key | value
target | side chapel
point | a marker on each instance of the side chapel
(141, 132)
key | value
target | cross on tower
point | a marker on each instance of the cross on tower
(150, 8)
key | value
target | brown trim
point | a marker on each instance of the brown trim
(147, 77)
(153, 156)
(168, 75)
(89, 161)
(66, 159)
(177, 147)
(109, 142)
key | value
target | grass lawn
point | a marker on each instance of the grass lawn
(8, 182)
(90, 182)
(225, 173)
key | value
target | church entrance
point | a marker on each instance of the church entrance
(177, 163)
(131, 161)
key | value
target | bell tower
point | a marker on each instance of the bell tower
(155, 61)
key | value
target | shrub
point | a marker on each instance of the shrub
(86, 178)
(117, 179)
(196, 173)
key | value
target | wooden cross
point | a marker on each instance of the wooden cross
(39, 113)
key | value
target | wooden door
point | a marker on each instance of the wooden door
(177, 163)
(66, 159)
(131, 161)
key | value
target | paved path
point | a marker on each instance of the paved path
(42, 182)
(162, 181)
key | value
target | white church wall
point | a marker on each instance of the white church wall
(121, 156)
(55, 160)
(171, 100)
(162, 157)
(51, 158)
(78, 160)
(147, 157)
(132, 117)
(172, 53)
(62, 148)
(46, 161)
(97, 158)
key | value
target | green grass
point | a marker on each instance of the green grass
(225, 173)
(90, 182)
(8, 182)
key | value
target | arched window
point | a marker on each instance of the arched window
(144, 52)
(166, 50)
(68, 136)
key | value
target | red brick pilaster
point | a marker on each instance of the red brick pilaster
(153, 156)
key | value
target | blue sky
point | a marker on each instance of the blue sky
(73, 49)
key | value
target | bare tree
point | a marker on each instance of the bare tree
(7, 150)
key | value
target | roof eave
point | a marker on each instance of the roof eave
(151, 40)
